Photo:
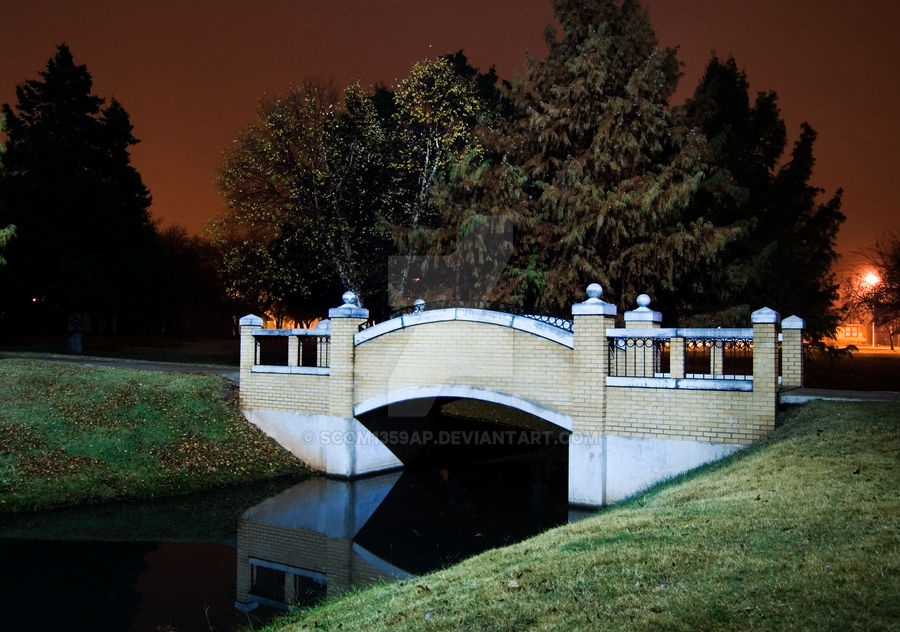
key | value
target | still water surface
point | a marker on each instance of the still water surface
(184, 564)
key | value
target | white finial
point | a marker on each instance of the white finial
(643, 301)
(350, 298)
(594, 291)
(419, 305)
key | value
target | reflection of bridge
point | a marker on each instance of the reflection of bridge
(297, 548)
(638, 404)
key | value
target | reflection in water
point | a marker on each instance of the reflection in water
(324, 535)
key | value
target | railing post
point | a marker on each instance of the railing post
(345, 322)
(765, 367)
(249, 349)
(590, 366)
(643, 318)
(792, 352)
(717, 357)
(293, 351)
(676, 357)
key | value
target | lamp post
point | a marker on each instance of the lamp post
(871, 280)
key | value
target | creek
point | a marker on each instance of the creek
(185, 564)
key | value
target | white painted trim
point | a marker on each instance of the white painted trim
(382, 565)
(488, 317)
(466, 392)
(680, 332)
(290, 332)
(741, 384)
(291, 370)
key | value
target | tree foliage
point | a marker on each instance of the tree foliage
(784, 256)
(302, 192)
(592, 170)
(85, 238)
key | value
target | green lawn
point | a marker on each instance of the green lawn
(801, 531)
(73, 434)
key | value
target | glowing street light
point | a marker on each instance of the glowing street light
(870, 280)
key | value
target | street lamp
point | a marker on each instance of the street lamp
(870, 280)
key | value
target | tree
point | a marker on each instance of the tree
(593, 171)
(436, 109)
(85, 234)
(303, 195)
(10, 231)
(784, 256)
(877, 294)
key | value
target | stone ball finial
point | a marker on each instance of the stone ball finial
(594, 291)
(643, 301)
(350, 298)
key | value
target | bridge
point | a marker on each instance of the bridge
(635, 404)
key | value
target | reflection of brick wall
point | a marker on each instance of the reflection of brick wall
(300, 549)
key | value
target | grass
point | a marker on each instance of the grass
(74, 434)
(801, 531)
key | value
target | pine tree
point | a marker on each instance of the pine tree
(81, 208)
(786, 250)
(594, 172)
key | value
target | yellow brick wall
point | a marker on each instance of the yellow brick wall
(466, 353)
(279, 391)
(714, 416)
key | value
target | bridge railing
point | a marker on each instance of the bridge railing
(495, 306)
(696, 354)
(292, 347)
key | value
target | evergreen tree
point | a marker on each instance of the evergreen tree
(593, 171)
(82, 210)
(784, 256)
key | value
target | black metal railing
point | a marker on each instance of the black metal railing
(274, 350)
(715, 358)
(314, 351)
(638, 357)
(533, 313)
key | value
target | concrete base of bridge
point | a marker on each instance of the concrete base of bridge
(337, 446)
(603, 469)
(607, 469)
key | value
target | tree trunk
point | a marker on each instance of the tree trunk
(74, 330)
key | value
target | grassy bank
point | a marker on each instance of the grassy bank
(72, 434)
(799, 532)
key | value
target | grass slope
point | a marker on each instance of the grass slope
(74, 434)
(799, 532)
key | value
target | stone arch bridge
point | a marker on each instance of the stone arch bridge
(636, 404)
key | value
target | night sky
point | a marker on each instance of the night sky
(190, 74)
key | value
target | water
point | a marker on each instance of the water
(184, 564)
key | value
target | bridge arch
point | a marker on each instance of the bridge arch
(460, 391)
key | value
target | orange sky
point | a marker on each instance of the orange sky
(190, 74)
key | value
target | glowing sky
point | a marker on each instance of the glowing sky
(190, 74)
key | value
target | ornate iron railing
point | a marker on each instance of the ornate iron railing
(549, 318)
(638, 356)
(717, 358)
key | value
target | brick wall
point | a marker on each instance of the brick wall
(473, 354)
